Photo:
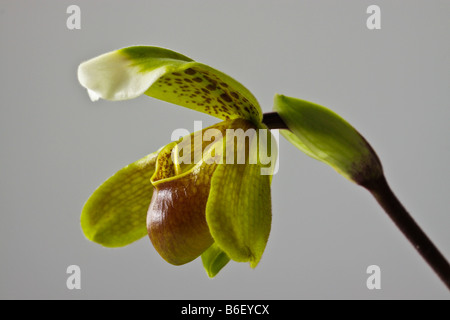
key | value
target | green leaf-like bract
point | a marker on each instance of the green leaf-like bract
(325, 136)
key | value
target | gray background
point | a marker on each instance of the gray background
(57, 146)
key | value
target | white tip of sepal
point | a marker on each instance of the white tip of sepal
(112, 76)
(93, 95)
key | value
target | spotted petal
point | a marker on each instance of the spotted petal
(166, 75)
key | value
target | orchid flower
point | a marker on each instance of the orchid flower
(211, 208)
(206, 194)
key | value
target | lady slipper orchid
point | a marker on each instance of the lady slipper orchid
(193, 197)
(208, 194)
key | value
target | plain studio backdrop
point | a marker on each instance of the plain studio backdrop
(57, 146)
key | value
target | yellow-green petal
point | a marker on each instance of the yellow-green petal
(325, 136)
(115, 214)
(238, 211)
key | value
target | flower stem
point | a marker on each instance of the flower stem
(381, 191)
(273, 121)
(387, 199)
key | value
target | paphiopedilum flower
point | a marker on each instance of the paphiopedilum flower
(199, 196)
(188, 205)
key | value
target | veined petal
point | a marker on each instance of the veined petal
(325, 136)
(115, 214)
(238, 211)
(169, 76)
